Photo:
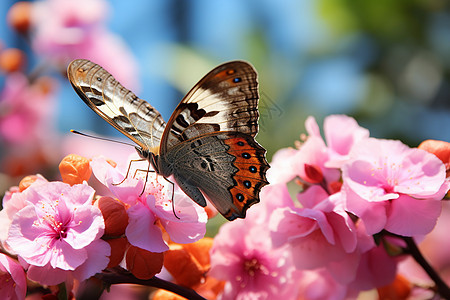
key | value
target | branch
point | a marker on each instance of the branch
(119, 275)
(441, 286)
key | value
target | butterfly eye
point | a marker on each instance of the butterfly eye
(247, 184)
(237, 79)
(240, 197)
(253, 169)
(240, 143)
(99, 79)
(246, 155)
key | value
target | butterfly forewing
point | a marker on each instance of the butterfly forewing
(208, 144)
(226, 99)
(120, 107)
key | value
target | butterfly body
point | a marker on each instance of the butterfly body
(207, 145)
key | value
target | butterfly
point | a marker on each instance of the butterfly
(208, 144)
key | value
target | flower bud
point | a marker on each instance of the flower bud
(12, 60)
(118, 247)
(439, 148)
(75, 169)
(142, 263)
(27, 181)
(19, 16)
(189, 263)
(115, 216)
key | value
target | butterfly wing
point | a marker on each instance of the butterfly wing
(226, 99)
(209, 144)
(228, 167)
(120, 107)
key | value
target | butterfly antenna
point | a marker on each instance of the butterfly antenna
(101, 138)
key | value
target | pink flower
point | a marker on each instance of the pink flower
(341, 134)
(66, 30)
(320, 234)
(58, 233)
(314, 161)
(154, 204)
(27, 111)
(376, 269)
(13, 202)
(13, 283)
(391, 186)
(243, 256)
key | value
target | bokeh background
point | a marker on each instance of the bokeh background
(385, 62)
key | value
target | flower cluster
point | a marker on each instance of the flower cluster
(61, 231)
(339, 216)
(328, 222)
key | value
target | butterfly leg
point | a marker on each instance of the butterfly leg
(128, 171)
(173, 187)
(173, 195)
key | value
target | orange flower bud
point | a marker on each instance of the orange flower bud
(142, 263)
(19, 16)
(439, 148)
(166, 295)
(75, 169)
(189, 263)
(400, 288)
(12, 60)
(200, 251)
(115, 216)
(27, 181)
(118, 247)
(185, 269)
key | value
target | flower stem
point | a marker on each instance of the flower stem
(441, 287)
(119, 275)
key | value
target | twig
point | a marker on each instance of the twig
(119, 275)
(441, 287)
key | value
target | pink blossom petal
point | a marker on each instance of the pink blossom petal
(376, 269)
(142, 231)
(373, 214)
(65, 257)
(98, 259)
(312, 127)
(22, 234)
(314, 251)
(341, 133)
(344, 230)
(408, 216)
(47, 275)
(13, 284)
(315, 195)
(87, 225)
(191, 225)
(286, 224)
(282, 168)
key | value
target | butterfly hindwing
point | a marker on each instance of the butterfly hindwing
(226, 99)
(120, 107)
(228, 167)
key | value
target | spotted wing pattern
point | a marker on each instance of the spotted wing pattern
(226, 99)
(120, 107)
(209, 146)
